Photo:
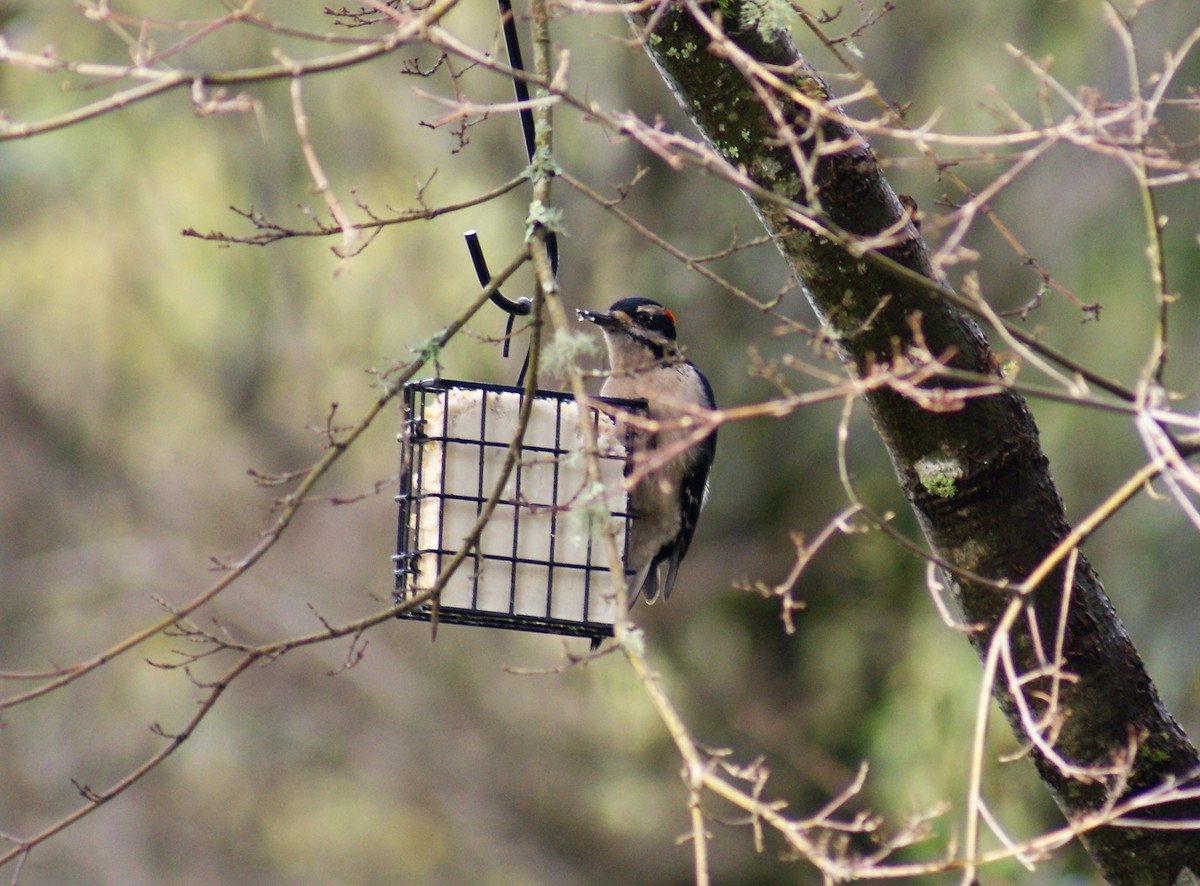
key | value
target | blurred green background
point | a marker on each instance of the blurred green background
(142, 374)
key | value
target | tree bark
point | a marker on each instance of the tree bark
(975, 476)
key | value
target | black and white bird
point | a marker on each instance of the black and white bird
(645, 363)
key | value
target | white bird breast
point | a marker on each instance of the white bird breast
(541, 554)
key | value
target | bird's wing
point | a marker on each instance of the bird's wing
(692, 493)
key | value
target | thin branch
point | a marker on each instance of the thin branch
(350, 233)
(290, 506)
(165, 81)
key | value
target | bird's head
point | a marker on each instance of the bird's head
(636, 328)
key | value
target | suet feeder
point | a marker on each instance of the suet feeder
(539, 563)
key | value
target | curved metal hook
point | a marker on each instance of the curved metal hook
(522, 306)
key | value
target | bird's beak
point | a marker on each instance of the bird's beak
(600, 318)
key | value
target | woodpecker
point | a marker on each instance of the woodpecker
(645, 363)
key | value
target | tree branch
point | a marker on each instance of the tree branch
(1070, 682)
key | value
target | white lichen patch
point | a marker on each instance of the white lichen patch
(939, 474)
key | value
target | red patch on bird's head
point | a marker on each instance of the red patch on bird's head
(670, 316)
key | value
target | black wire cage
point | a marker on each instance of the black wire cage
(539, 564)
